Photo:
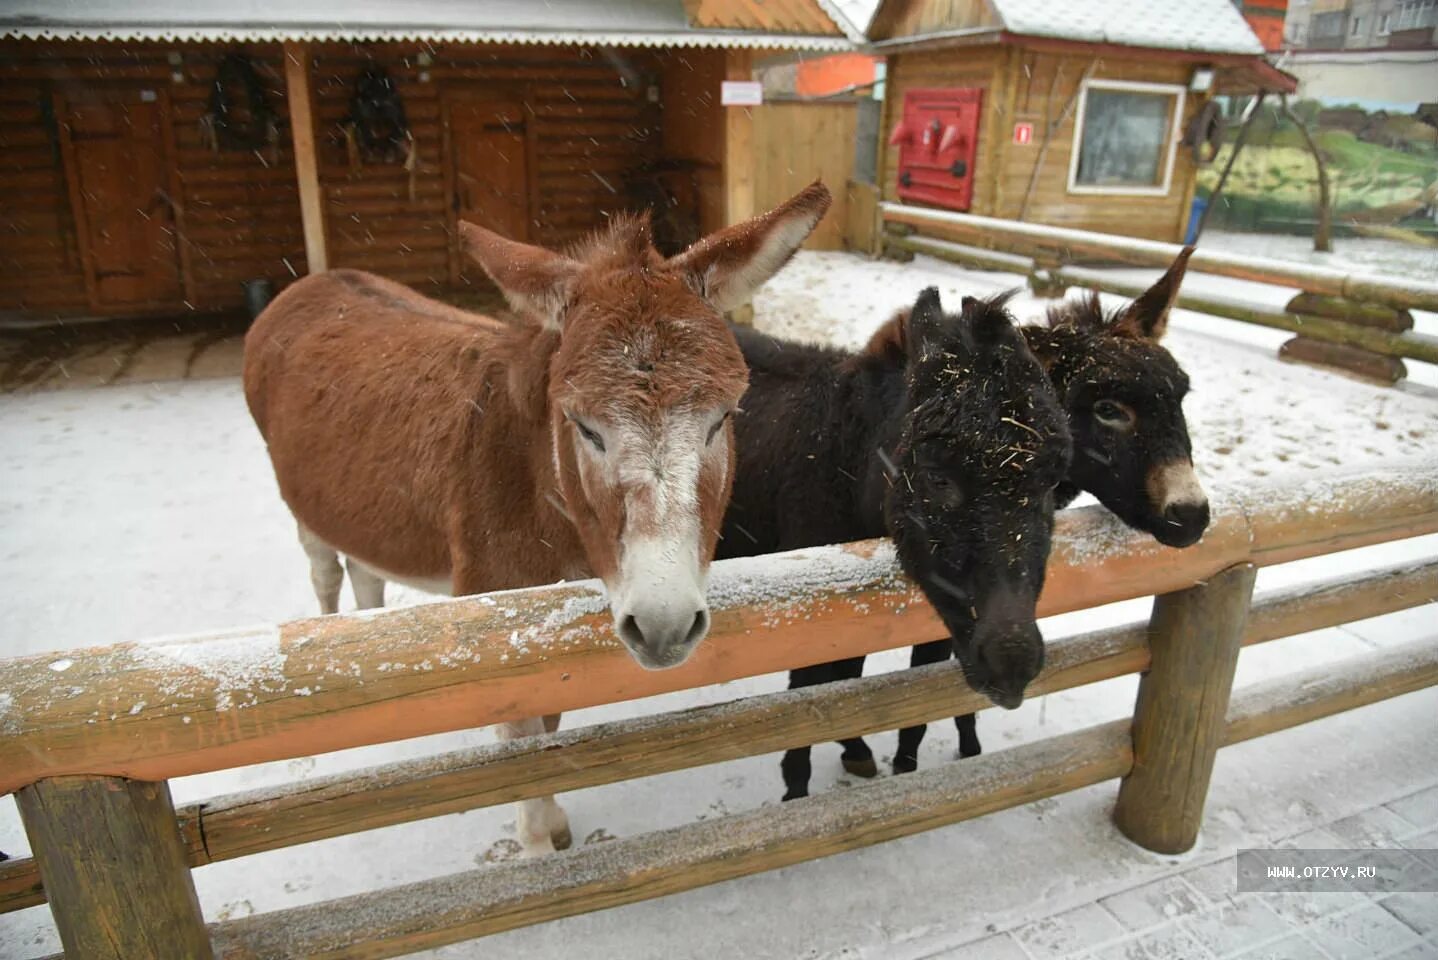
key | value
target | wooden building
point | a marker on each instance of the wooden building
(1074, 114)
(156, 157)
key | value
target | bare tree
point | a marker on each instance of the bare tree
(1322, 233)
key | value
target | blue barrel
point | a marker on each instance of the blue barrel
(1195, 214)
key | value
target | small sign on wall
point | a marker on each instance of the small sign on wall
(1023, 133)
(741, 93)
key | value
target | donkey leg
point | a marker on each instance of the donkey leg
(906, 758)
(795, 765)
(541, 823)
(367, 585)
(325, 573)
(857, 758)
(969, 745)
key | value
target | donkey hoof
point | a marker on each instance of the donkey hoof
(794, 795)
(905, 764)
(861, 766)
(967, 750)
(562, 839)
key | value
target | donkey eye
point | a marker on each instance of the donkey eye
(718, 424)
(1111, 413)
(589, 434)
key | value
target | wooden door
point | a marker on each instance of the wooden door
(489, 144)
(119, 179)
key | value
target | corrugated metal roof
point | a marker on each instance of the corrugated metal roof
(649, 23)
(1209, 26)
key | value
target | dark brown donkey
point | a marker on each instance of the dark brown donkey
(460, 454)
(1123, 394)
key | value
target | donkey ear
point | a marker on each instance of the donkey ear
(727, 267)
(1147, 317)
(926, 333)
(535, 281)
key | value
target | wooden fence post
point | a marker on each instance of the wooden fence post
(114, 869)
(1178, 722)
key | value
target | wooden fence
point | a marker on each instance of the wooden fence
(92, 736)
(1359, 322)
(797, 142)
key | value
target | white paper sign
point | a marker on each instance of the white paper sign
(741, 93)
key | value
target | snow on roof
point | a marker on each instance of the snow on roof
(852, 16)
(650, 23)
(1210, 26)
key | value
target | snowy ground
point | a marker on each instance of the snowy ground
(141, 509)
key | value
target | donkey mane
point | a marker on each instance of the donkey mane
(1085, 313)
(627, 241)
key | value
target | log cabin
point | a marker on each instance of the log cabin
(164, 156)
(1080, 115)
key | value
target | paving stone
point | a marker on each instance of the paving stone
(1426, 950)
(1240, 925)
(1291, 947)
(1304, 908)
(1370, 931)
(1378, 827)
(1317, 838)
(1069, 932)
(1419, 809)
(1418, 910)
(1216, 881)
(1169, 942)
(1001, 947)
(1427, 840)
(1154, 903)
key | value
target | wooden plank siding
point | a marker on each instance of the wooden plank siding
(974, 67)
(238, 212)
(592, 125)
(796, 143)
(592, 121)
(909, 18)
(1019, 86)
(1038, 100)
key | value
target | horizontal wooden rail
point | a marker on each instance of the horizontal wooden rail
(170, 708)
(1396, 343)
(255, 821)
(504, 896)
(1391, 291)
(476, 903)
(1393, 343)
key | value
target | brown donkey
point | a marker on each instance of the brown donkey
(459, 454)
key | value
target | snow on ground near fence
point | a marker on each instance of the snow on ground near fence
(147, 510)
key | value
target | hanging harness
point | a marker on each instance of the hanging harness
(245, 124)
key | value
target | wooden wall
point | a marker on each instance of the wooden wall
(694, 124)
(593, 124)
(1037, 100)
(969, 67)
(907, 18)
(1028, 85)
(796, 143)
(239, 211)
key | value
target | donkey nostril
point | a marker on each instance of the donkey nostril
(629, 631)
(1187, 514)
(698, 628)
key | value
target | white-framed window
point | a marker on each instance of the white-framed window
(1357, 25)
(1384, 24)
(1125, 137)
(1416, 13)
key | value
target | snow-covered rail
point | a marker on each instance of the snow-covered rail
(1394, 292)
(1360, 322)
(74, 725)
